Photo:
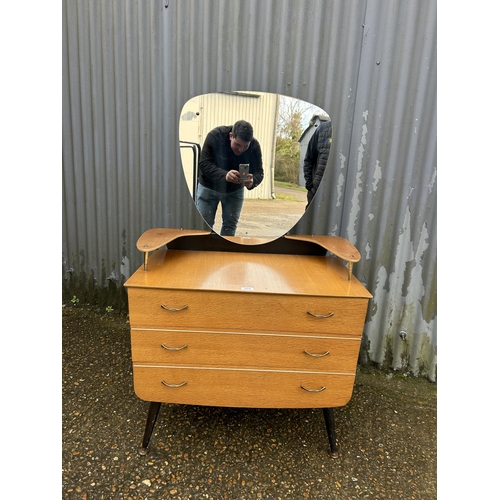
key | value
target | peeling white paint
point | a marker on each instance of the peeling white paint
(368, 251)
(125, 267)
(373, 330)
(403, 311)
(334, 231)
(341, 180)
(377, 175)
(343, 160)
(340, 189)
(433, 180)
(358, 190)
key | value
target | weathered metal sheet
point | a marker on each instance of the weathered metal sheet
(391, 214)
(130, 65)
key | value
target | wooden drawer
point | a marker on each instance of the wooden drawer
(245, 350)
(242, 388)
(245, 311)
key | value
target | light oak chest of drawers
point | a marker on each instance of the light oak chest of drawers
(244, 329)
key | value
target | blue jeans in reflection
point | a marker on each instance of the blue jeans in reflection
(207, 201)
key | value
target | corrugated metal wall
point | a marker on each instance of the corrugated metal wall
(130, 65)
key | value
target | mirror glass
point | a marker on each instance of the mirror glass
(215, 139)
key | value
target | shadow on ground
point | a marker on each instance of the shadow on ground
(386, 435)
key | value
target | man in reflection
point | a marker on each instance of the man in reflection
(219, 180)
(316, 157)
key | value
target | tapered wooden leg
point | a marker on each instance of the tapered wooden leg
(330, 430)
(154, 409)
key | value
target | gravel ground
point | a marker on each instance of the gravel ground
(386, 434)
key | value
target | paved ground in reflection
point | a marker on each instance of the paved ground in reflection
(269, 218)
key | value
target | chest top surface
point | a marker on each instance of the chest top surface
(248, 272)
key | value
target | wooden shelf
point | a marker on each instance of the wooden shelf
(153, 239)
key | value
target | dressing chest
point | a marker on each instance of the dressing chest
(214, 322)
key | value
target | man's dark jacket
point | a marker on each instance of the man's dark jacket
(316, 157)
(217, 159)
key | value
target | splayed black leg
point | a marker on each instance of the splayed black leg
(330, 429)
(154, 409)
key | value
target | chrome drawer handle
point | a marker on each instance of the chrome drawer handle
(174, 386)
(173, 309)
(329, 315)
(316, 355)
(313, 390)
(174, 348)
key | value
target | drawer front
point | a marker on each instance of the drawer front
(242, 388)
(245, 311)
(245, 350)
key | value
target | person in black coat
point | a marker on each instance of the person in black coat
(219, 181)
(316, 157)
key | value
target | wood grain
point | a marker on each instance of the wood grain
(239, 272)
(245, 312)
(241, 388)
(239, 324)
(233, 350)
(338, 246)
(155, 238)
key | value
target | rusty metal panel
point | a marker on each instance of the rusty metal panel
(130, 65)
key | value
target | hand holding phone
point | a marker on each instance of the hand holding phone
(244, 171)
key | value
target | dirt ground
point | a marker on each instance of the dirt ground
(386, 434)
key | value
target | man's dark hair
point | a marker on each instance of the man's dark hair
(243, 130)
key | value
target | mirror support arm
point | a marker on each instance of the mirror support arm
(340, 247)
(153, 239)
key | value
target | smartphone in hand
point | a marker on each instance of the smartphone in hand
(244, 171)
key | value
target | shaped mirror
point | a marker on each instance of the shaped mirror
(215, 132)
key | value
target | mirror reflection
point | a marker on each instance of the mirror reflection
(252, 160)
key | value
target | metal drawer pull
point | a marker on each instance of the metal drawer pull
(313, 390)
(316, 355)
(174, 386)
(174, 348)
(173, 309)
(320, 315)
